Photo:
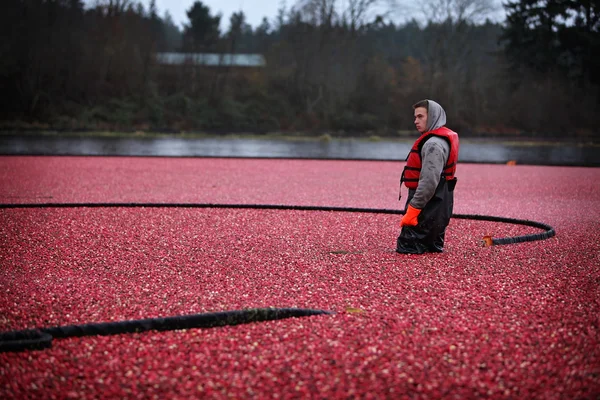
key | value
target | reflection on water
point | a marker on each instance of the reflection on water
(470, 151)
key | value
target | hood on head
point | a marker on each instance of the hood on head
(436, 116)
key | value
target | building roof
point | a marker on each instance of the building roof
(212, 59)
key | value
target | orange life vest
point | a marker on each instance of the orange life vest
(412, 170)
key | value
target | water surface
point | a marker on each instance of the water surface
(475, 151)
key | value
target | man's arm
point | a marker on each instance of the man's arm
(434, 156)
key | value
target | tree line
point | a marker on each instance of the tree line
(331, 66)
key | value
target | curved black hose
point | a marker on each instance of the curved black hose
(547, 234)
(41, 338)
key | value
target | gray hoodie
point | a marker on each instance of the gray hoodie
(434, 155)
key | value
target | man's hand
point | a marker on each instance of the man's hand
(410, 217)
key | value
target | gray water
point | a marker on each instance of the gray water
(474, 151)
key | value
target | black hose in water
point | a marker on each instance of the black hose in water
(547, 234)
(41, 338)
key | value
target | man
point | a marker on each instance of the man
(429, 177)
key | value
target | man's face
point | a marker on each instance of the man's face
(421, 119)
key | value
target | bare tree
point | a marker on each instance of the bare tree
(112, 7)
(456, 11)
(448, 48)
(330, 60)
(318, 12)
(355, 13)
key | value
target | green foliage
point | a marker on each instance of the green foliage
(203, 31)
(554, 36)
(72, 67)
(349, 121)
(179, 104)
(117, 113)
(121, 111)
(326, 137)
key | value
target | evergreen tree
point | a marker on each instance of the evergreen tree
(202, 33)
(173, 36)
(547, 36)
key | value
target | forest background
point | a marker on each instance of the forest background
(331, 66)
